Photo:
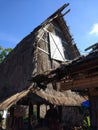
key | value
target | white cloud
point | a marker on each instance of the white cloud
(94, 29)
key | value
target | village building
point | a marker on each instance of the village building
(80, 74)
(24, 73)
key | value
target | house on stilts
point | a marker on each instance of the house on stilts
(45, 48)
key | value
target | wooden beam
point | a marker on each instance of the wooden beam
(85, 66)
(55, 15)
(65, 13)
(92, 46)
(90, 82)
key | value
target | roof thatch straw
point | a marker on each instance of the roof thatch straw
(13, 99)
(67, 98)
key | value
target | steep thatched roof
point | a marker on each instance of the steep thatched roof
(21, 64)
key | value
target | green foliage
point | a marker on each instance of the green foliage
(86, 123)
(4, 52)
(35, 113)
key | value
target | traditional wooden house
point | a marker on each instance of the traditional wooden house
(49, 45)
(44, 49)
(81, 74)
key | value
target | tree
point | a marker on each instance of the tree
(4, 52)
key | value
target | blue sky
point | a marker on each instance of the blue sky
(19, 17)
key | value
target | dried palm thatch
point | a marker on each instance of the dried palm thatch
(32, 57)
(13, 99)
(68, 98)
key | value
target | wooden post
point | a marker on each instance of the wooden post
(94, 108)
(30, 114)
(60, 113)
(38, 111)
(11, 120)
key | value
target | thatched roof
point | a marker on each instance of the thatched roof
(67, 98)
(21, 64)
(13, 99)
